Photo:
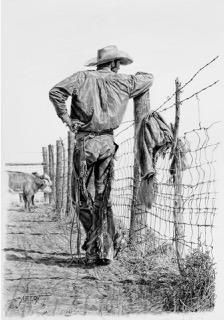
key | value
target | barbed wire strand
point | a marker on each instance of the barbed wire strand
(186, 83)
(194, 94)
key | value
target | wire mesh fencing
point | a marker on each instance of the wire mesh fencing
(197, 194)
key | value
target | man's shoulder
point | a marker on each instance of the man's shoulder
(123, 76)
(133, 77)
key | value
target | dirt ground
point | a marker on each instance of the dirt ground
(39, 279)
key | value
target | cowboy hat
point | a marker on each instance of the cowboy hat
(108, 54)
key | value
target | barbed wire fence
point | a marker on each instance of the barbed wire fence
(182, 216)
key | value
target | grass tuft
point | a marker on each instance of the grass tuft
(158, 279)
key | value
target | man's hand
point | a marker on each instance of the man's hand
(73, 125)
(76, 124)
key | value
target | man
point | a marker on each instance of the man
(98, 102)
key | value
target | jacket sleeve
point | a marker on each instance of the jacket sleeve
(60, 93)
(140, 83)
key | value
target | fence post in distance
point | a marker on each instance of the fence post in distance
(69, 173)
(59, 177)
(64, 181)
(52, 172)
(45, 169)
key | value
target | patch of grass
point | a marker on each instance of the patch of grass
(192, 290)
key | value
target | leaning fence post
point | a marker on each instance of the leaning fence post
(138, 223)
(69, 174)
(59, 177)
(177, 180)
(45, 169)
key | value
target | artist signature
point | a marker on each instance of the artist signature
(31, 299)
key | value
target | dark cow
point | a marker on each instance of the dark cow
(28, 185)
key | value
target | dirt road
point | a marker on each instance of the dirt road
(40, 281)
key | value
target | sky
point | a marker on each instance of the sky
(44, 41)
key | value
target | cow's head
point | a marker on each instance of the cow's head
(47, 178)
(44, 182)
(44, 186)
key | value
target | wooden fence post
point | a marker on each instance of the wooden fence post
(45, 169)
(69, 174)
(138, 222)
(64, 181)
(177, 210)
(59, 177)
(51, 172)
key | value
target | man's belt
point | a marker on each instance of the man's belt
(111, 132)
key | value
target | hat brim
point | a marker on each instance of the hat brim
(123, 57)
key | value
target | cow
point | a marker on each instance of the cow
(47, 180)
(28, 184)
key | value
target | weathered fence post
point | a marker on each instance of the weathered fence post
(64, 181)
(69, 174)
(51, 172)
(177, 179)
(45, 169)
(138, 223)
(59, 177)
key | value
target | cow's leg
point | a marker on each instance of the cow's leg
(29, 201)
(25, 201)
(20, 197)
(32, 199)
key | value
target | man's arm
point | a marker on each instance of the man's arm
(60, 93)
(140, 83)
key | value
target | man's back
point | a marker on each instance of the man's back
(100, 97)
